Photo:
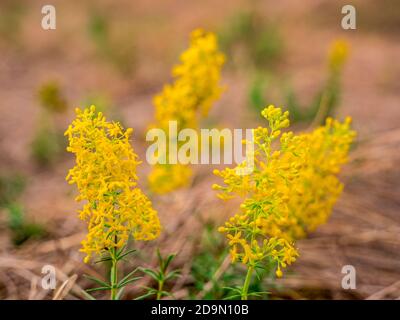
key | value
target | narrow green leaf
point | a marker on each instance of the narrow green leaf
(233, 297)
(172, 275)
(119, 251)
(166, 293)
(168, 260)
(149, 294)
(237, 289)
(128, 275)
(119, 257)
(103, 260)
(258, 293)
(151, 273)
(124, 283)
(98, 281)
(160, 259)
(98, 289)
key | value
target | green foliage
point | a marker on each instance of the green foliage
(47, 145)
(99, 29)
(161, 276)
(268, 47)
(253, 286)
(48, 142)
(11, 15)
(256, 93)
(21, 229)
(11, 187)
(236, 29)
(208, 261)
(115, 285)
(118, 49)
(254, 36)
(327, 99)
(51, 97)
(323, 105)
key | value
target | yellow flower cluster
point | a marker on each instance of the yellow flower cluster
(105, 175)
(290, 192)
(186, 100)
(317, 186)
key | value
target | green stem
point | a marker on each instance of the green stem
(247, 283)
(160, 288)
(114, 277)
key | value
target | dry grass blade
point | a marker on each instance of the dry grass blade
(65, 288)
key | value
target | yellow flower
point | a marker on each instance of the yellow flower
(167, 178)
(105, 175)
(338, 55)
(291, 191)
(186, 101)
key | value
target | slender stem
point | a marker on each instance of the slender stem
(247, 283)
(114, 277)
(322, 111)
(160, 288)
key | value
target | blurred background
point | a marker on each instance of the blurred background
(118, 55)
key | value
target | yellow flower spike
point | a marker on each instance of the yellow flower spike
(187, 100)
(105, 175)
(291, 191)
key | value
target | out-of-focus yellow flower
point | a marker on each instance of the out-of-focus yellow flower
(167, 178)
(105, 175)
(338, 55)
(196, 84)
(187, 100)
(290, 192)
(51, 97)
